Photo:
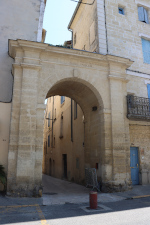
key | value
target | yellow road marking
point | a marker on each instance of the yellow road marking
(18, 206)
(142, 196)
(41, 215)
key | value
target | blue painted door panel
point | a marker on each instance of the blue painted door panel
(148, 90)
(134, 165)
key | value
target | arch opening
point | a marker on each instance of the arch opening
(73, 131)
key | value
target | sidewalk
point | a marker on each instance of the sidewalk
(58, 192)
(138, 191)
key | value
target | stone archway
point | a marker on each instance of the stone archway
(92, 106)
(90, 79)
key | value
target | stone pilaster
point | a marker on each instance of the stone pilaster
(119, 125)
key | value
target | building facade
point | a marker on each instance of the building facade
(22, 20)
(107, 74)
(122, 28)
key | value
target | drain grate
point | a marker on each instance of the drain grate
(50, 193)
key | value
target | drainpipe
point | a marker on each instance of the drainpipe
(71, 123)
(106, 25)
(52, 121)
(71, 37)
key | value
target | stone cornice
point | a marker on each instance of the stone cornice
(24, 65)
(22, 45)
(42, 48)
(123, 79)
(116, 59)
(31, 66)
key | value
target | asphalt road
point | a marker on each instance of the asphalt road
(126, 212)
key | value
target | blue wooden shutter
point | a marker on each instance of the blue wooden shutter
(62, 99)
(141, 13)
(146, 50)
(121, 11)
(145, 15)
(148, 90)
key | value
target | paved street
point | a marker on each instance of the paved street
(58, 191)
(114, 208)
(123, 212)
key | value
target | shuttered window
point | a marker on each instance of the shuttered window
(62, 99)
(146, 50)
(121, 11)
(148, 90)
(143, 14)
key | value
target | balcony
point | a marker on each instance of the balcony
(138, 108)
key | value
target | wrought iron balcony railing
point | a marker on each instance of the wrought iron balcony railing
(138, 108)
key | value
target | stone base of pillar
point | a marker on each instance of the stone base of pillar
(36, 191)
(110, 187)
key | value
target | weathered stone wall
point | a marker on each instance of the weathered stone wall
(124, 32)
(115, 34)
(140, 130)
(5, 109)
(121, 35)
(140, 137)
(85, 28)
(137, 84)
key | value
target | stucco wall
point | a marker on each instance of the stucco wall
(19, 20)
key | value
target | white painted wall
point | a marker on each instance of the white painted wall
(19, 20)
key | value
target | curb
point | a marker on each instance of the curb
(136, 197)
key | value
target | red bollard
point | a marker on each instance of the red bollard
(93, 199)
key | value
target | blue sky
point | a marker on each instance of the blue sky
(57, 16)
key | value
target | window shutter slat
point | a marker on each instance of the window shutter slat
(146, 16)
(148, 90)
(146, 50)
(141, 13)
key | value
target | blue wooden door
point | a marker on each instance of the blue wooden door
(134, 165)
(148, 90)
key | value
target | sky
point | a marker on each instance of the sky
(57, 16)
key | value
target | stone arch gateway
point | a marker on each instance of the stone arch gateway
(91, 79)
